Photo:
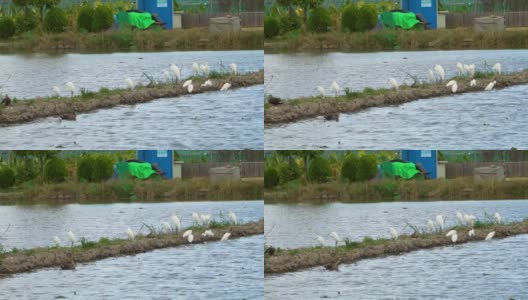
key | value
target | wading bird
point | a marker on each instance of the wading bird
(393, 83)
(233, 68)
(334, 87)
(166, 227)
(440, 221)
(471, 233)
(336, 237)
(490, 236)
(176, 72)
(71, 87)
(196, 218)
(57, 241)
(460, 217)
(430, 75)
(470, 69)
(450, 233)
(321, 91)
(394, 234)
(440, 72)
(454, 86)
(497, 218)
(196, 69)
(56, 91)
(454, 237)
(225, 87)
(321, 240)
(233, 217)
(473, 82)
(166, 76)
(190, 88)
(176, 221)
(129, 83)
(72, 237)
(497, 69)
(206, 219)
(430, 225)
(187, 233)
(207, 83)
(205, 69)
(461, 70)
(225, 237)
(190, 238)
(490, 86)
(208, 233)
(130, 234)
(187, 83)
(470, 219)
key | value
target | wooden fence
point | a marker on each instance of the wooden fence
(247, 169)
(512, 169)
(512, 19)
(247, 19)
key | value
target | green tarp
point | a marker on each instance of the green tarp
(399, 169)
(135, 19)
(139, 170)
(399, 19)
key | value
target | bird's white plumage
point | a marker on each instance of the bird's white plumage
(454, 237)
(233, 68)
(430, 225)
(175, 71)
(393, 83)
(190, 88)
(207, 83)
(233, 218)
(208, 233)
(226, 236)
(187, 83)
(490, 86)
(473, 82)
(321, 91)
(498, 218)
(72, 237)
(393, 233)
(56, 91)
(450, 83)
(57, 240)
(430, 75)
(190, 238)
(471, 232)
(196, 68)
(454, 88)
(187, 233)
(176, 222)
(131, 235)
(321, 240)
(490, 236)
(166, 227)
(460, 68)
(204, 69)
(71, 87)
(334, 87)
(440, 72)
(497, 69)
(225, 87)
(130, 84)
(450, 233)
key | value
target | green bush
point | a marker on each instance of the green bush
(55, 170)
(271, 27)
(319, 170)
(7, 27)
(367, 167)
(271, 178)
(368, 17)
(319, 20)
(7, 177)
(289, 23)
(95, 167)
(289, 172)
(349, 18)
(103, 18)
(349, 169)
(26, 21)
(26, 171)
(85, 167)
(85, 18)
(55, 20)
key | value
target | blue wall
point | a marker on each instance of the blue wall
(428, 8)
(162, 157)
(427, 158)
(162, 7)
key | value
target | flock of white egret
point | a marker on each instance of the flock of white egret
(437, 226)
(437, 75)
(172, 227)
(173, 75)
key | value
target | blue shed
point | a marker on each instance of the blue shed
(427, 8)
(164, 8)
(163, 158)
(427, 158)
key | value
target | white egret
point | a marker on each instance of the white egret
(233, 68)
(471, 70)
(233, 217)
(321, 240)
(430, 225)
(57, 241)
(454, 237)
(190, 88)
(440, 221)
(336, 237)
(321, 91)
(190, 238)
(130, 84)
(393, 83)
(72, 237)
(430, 75)
(454, 88)
(205, 69)
(460, 67)
(206, 219)
(225, 87)
(490, 236)
(460, 217)
(130, 234)
(196, 218)
(471, 232)
(490, 86)
(473, 82)
(187, 233)
(394, 234)
(196, 69)
(470, 219)
(207, 83)
(450, 233)
(166, 75)
(71, 87)
(208, 233)
(440, 72)
(176, 221)
(56, 91)
(166, 227)
(225, 237)
(187, 83)
(497, 69)
(450, 83)
(175, 71)
(497, 218)
(334, 87)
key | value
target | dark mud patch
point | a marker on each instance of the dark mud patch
(298, 109)
(293, 260)
(30, 110)
(33, 259)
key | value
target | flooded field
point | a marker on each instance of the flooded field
(496, 269)
(220, 270)
(474, 120)
(297, 225)
(228, 120)
(35, 225)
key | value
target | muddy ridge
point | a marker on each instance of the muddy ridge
(304, 258)
(37, 109)
(314, 107)
(30, 260)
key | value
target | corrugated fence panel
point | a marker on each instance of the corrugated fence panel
(512, 169)
(247, 169)
(512, 19)
(247, 19)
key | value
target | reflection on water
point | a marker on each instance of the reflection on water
(484, 270)
(297, 225)
(219, 270)
(36, 225)
(475, 120)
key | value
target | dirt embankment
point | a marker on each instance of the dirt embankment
(299, 259)
(29, 110)
(30, 260)
(313, 107)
